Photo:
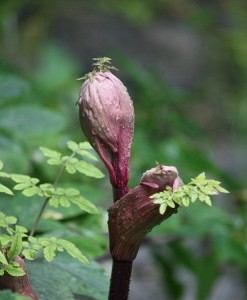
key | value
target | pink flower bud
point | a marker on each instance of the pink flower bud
(107, 120)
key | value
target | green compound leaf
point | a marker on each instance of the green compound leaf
(26, 184)
(88, 169)
(16, 246)
(14, 269)
(66, 197)
(199, 188)
(4, 189)
(50, 248)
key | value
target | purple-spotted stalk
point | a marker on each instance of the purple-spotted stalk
(107, 120)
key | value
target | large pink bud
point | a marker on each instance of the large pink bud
(107, 120)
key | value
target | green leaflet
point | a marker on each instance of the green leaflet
(50, 252)
(64, 197)
(6, 220)
(54, 156)
(14, 269)
(72, 250)
(84, 204)
(15, 247)
(88, 169)
(50, 248)
(72, 145)
(19, 178)
(4, 189)
(3, 259)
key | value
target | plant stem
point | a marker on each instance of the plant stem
(121, 270)
(39, 216)
(120, 280)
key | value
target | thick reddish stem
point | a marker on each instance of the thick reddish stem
(121, 270)
(18, 284)
(120, 280)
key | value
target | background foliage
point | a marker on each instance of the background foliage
(196, 126)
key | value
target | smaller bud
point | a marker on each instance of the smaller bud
(160, 177)
(107, 120)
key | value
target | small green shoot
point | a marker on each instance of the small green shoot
(198, 188)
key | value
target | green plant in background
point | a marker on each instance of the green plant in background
(199, 188)
(15, 240)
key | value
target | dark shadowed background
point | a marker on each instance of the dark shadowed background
(184, 63)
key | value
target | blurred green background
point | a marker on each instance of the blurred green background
(184, 63)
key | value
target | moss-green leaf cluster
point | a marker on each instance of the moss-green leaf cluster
(199, 188)
(75, 162)
(50, 246)
(14, 240)
(10, 245)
